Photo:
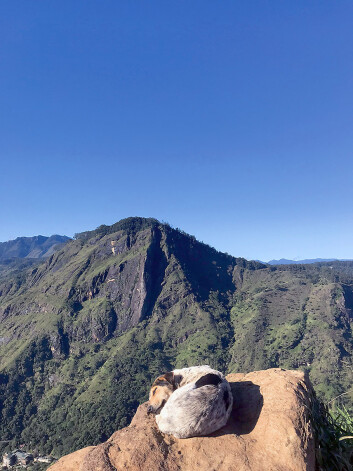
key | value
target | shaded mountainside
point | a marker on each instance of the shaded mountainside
(83, 333)
(31, 247)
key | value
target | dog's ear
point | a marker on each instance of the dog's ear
(173, 379)
(165, 380)
(177, 380)
(169, 377)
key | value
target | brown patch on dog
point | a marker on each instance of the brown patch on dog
(162, 389)
(169, 377)
(164, 380)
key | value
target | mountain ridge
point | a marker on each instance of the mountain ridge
(84, 332)
(31, 247)
(138, 222)
(285, 261)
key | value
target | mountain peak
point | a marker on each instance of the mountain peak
(31, 247)
(130, 224)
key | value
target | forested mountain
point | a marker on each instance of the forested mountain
(83, 333)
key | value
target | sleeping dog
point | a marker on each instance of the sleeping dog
(191, 401)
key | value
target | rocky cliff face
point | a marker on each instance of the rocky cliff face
(269, 430)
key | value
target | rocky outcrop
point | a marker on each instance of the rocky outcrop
(269, 430)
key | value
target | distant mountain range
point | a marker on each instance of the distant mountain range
(284, 261)
(42, 247)
(31, 247)
(84, 332)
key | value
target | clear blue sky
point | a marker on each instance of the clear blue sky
(229, 119)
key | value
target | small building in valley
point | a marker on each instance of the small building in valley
(23, 458)
(16, 457)
(9, 459)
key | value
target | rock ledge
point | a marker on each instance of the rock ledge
(269, 430)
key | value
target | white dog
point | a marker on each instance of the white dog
(191, 402)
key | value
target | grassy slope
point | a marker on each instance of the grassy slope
(294, 320)
(87, 331)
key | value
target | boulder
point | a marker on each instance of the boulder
(269, 430)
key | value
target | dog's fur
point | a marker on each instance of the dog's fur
(191, 401)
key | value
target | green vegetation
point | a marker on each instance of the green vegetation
(333, 427)
(83, 334)
(130, 226)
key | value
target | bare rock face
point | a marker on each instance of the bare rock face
(269, 430)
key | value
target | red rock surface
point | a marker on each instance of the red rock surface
(269, 430)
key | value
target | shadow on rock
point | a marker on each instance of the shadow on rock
(247, 406)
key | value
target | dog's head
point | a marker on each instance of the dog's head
(161, 390)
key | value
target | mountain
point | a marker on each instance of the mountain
(84, 332)
(284, 261)
(31, 247)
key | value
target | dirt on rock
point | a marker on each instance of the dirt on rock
(269, 430)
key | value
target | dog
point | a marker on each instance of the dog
(191, 402)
